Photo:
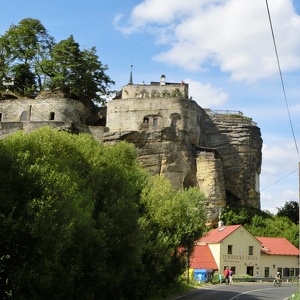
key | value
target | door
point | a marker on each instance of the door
(250, 271)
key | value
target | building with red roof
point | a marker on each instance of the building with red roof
(235, 247)
(279, 255)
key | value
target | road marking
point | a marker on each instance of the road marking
(249, 292)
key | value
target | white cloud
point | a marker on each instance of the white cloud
(234, 35)
(206, 95)
(280, 173)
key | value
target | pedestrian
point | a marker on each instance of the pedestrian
(226, 275)
(220, 278)
(230, 276)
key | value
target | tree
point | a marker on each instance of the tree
(28, 53)
(78, 73)
(275, 227)
(290, 210)
(68, 208)
(171, 221)
(232, 216)
(26, 44)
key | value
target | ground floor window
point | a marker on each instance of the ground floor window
(267, 272)
(286, 272)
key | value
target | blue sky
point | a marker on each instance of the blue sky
(222, 48)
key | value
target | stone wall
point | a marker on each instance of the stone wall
(46, 107)
(154, 114)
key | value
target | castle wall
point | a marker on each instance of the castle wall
(56, 109)
(155, 114)
(155, 90)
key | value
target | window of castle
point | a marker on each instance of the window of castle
(166, 94)
(155, 94)
(23, 116)
(146, 120)
(155, 121)
(144, 94)
(0, 117)
(51, 116)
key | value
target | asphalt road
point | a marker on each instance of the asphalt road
(243, 291)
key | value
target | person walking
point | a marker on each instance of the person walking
(226, 275)
(230, 276)
(220, 278)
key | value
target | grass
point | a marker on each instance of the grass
(295, 296)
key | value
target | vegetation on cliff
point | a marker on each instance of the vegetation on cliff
(81, 220)
(30, 56)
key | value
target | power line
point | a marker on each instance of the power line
(279, 180)
(281, 78)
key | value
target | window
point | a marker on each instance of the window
(23, 116)
(155, 121)
(250, 250)
(292, 272)
(229, 249)
(51, 116)
(267, 272)
(0, 117)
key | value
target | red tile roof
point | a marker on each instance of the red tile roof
(219, 234)
(202, 258)
(277, 246)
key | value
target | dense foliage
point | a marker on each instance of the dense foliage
(80, 220)
(290, 210)
(262, 223)
(30, 56)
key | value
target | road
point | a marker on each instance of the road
(243, 291)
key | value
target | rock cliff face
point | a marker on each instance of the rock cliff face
(239, 143)
(226, 169)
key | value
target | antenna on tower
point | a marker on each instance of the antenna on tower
(130, 78)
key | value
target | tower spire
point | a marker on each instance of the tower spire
(130, 78)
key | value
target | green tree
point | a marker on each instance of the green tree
(30, 55)
(275, 227)
(171, 221)
(78, 73)
(290, 210)
(26, 44)
(69, 215)
(231, 216)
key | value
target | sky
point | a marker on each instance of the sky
(223, 49)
